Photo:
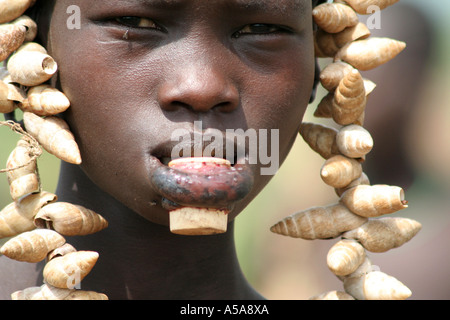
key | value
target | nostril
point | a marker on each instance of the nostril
(222, 106)
(174, 105)
(225, 106)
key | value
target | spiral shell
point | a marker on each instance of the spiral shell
(320, 138)
(383, 234)
(354, 141)
(18, 216)
(375, 200)
(323, 109)
(345, 257)
(362, 6)
(22, 175)
(349, 100)
(31, 67)
(32, 246)
(32, 47)
(332, 74)
(12, 9)
(61, 251)
(318, 223)
(339, 171)
(363, 179)
(54, 136)
(69, 270)
(30, 26)
(6, 105)
(369, 86)
(324, 45)
(357, 32)
(48, 292)
(24, 185)
(45, 100)
(69, 219)
(333, 295)
(370, 53)
(334, 17)
(15, 92)
(364, 268)
(328, 44)
(376, 285)
(86, 295)
(11, 38)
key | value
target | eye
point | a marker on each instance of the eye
(259, 29)
(137, 22)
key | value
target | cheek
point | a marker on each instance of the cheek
(102, 120)
(284, 98)
(101, 107)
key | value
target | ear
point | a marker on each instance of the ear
(316, 81)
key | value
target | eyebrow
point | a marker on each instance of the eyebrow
(278, 6)
(152, 3)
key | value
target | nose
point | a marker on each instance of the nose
(199, 87)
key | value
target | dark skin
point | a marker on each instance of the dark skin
(131, 82)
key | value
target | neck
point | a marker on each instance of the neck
(142, 260)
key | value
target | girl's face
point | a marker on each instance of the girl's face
(136, 71)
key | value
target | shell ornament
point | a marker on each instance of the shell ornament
(69, 219)
(344, 146)
(35, 221)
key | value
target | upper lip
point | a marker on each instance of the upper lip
(203, 144)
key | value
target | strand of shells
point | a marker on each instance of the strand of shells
(356, 217)
(35, 222)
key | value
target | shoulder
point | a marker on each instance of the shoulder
(15, 275)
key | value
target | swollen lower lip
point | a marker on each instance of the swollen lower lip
(204, 189)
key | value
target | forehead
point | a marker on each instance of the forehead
(268, 5)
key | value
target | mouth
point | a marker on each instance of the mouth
(208, 181)
(200, 192)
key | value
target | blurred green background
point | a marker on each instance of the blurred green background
(286, 268)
